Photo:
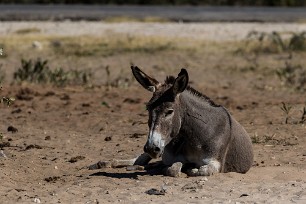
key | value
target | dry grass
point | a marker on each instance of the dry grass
(28, 30)
(163, 54)
(116, 51)
(97, 46)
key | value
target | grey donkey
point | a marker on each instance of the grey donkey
(188, 131)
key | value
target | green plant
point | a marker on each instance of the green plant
(286, 108)
(303, 118)
(298, 42)
(3, 53)
(119, 81)
(6, 100)
(292, 75)
(255, 138)
(258, 42)
(35, 72)
(39, 72)
(268, 138)
(274, 42)
(59, 77)
(2, 74)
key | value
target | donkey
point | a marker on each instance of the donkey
(189, 131)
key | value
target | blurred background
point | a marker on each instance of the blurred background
(169, 2)
(254, 45)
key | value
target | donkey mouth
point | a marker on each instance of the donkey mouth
(154, 152)
(155, 155)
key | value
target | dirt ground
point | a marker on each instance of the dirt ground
(51, 134)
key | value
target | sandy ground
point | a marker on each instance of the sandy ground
(63, 130)
(207, 31)
(56, 125)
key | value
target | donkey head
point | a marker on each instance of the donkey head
(164, 109)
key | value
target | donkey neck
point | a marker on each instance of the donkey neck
(195, 107)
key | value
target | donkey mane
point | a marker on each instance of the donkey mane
(170, 80)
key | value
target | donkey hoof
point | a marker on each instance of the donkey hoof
(193, 172)
(174, 170)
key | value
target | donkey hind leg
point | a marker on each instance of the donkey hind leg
(174, 170)
(141, 160)
(212, 167)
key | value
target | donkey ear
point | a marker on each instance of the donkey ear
(147, 82)
(180, 82)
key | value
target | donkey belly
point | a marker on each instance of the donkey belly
(239, 156)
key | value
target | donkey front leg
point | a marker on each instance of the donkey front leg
(141, 160)
(174, 170)
(213, 166)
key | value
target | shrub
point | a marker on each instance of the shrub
(39, 72)
(274, 42)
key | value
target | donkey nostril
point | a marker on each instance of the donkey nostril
(156, 149)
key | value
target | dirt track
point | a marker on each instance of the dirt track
(63, 130)
(205, 31)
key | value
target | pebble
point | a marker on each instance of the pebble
(2, 154)
(37, 45)
(37, 200)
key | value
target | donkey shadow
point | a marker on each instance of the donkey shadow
(152, 169)
(132, 175)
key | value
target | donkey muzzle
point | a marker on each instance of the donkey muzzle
(155, 144)
(153, 150)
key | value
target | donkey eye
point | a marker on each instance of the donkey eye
(169, 112)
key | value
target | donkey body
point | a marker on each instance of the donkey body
(189, 131)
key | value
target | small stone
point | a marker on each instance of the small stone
(18, 110)
(5, 144)
(52, 178)
(37, 200)
(75, 159)
(154, 191)
(108, 139)
(2, 154)
(50, 93)
(37, 45)
(12, 129)
(243, 195)
(204, 179)
(65, 97)
(35, 146)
